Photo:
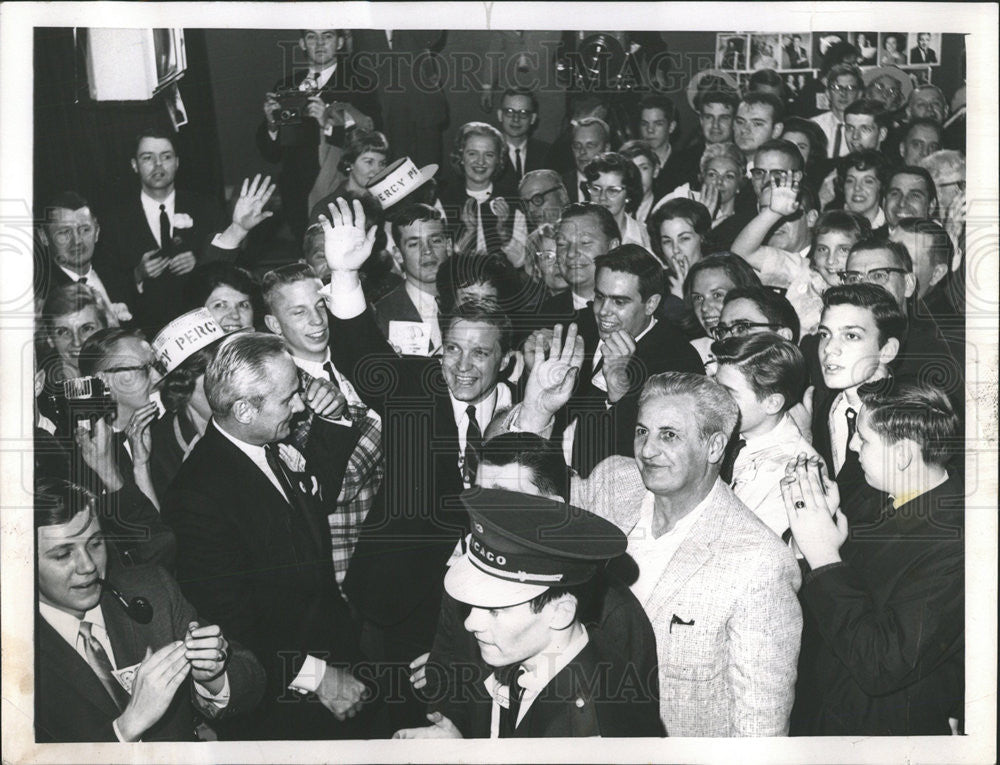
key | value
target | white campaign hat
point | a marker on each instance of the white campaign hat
(398, 180)
(185, 335)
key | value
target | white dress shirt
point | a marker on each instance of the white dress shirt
(653, 554)
(151, 208)
(499, 399)
(92, 280)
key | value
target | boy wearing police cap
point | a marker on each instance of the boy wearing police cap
(525, 576)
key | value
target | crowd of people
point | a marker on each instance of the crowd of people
(617, 436)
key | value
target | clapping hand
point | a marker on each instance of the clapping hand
(346, 244)
(324, 398)
(156, 682)
(207, 650)
(812, 502)
(249, 209)
(618, 350)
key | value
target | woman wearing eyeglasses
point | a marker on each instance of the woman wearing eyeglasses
(125, 362)
(614, 183)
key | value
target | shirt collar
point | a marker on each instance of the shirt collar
(784, 432)
(314, 368)
(683, 526)
(74, 275)
(253, 451)
(150, 205)
(909, 496)
(67, 625)
(548, 665)
(424, 302)
(500, 398)
(324, 75)
(481, 196)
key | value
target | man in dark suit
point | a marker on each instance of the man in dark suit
(887, 597)
(334, 106)
(398, 68)
(922, 53)
(549, 678)
(160, 234)
(591, 136)
(254, 548)
(111, 668)
(517, 116)
(71, 234)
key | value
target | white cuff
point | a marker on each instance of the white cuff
(344, 302)
(220, 699)
(310, 675)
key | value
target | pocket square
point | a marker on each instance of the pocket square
(675, 619)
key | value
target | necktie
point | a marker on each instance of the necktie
(98, 660)
(508, 715)
(837, 139)
(473, 443)
(850, 456)
(517, 163)
(164, 228)
(296, 497)
(729, 461)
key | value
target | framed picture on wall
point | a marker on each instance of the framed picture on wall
(731, 51)
(867, 43)
(892, 48)
(822, 42)
(796, 50)
(926, 47)
(765, 52)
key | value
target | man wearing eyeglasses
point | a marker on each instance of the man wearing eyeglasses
(517, 117)
(543, 197)
(71, 234)
(844, 86)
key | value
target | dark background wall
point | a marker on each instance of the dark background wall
(87, 146)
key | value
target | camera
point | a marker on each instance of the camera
(292, 105)
(82, 401)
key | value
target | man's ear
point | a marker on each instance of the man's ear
(534, 119)
(785, 332)
(779, 128)
(341, 42)
(651, 304)
(883, 133)
(889, 351)
(940, 271)
(614, 243)
(244, 412)
(39, 382)
(717, 448)
(563, 611)
(135, 166)
(910, 282)
(45, 236)
(773, 403)
(811, 217)
(499, 114)
(904, 452)
(272, 323)
(302, 43)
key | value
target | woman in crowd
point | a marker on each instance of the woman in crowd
(705, 288)
(71, 314)
(228, 291)
(645, 159)
(677, 230)
(811, 142)
(366, 156)
(614, 182)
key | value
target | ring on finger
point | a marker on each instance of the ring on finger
(799, 504)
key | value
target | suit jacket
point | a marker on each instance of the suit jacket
(254, 564)
(582, 700)
(120, 287)
(918, 56)
(128, 234)
(296, 147)
(572, 184)
(891, 624)
(731, 672)
(71, 704)
(536, 159)
(601, 430)
(395, 306)
(399, 562)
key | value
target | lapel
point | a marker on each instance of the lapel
(552, 712)
(407, 309)
(141, 225)
(122, 631)
(64, 665)
(695, 551)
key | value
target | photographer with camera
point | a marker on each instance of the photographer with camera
(306, 120)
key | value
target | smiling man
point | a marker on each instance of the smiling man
(910, 193)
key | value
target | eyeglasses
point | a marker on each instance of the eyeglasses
(844, 88)
(539, 199)
(522, 113)
(874, 276)
(64, 235)
(960, 184)
(889, 91)
(611, 192)
(739, 328)
(143, 369)
(759, 174)
(546, 256)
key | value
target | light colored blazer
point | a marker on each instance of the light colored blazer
(731, 672)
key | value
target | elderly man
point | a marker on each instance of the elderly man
(543, 196)
(591, 137)
(254, 548)
(718, 586)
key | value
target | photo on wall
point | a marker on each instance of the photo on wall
(796, 50)
(926, 46)
(892, 48)
(731, 52)
(822, 42)
(867, 44)
(765, 52)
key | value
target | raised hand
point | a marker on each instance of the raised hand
(316, 109)
(541, 337)
(156, 682)
(470, 214)
(710, 197)
(618, 349)
(98, 451)
(553, 374)
(346, 244)
(501, 209)
(249, 209)
(784, 195)
(140, 438)
(271, 105)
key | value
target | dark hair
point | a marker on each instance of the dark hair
(781, 146)
(178, 385)
(899, 251)
(65, 200)
(760, 98)
(769, 79)
(776, 308)
(693, 212)
(67, 299)
(605, 220)
(838, 53)
(817, 138)
(941, 250)
(485, 312)
(409, 214)
(100, 346)
(637, 148)
(917, 412)
(843, 222)
(839, 70)
(872, 108)
(738, 270)
(921, 122)
(866, 159)
(613, 162)
(206, 278)
(715, 90)
(360, 142)
(918, 172)
(525, 92)
(57, 501)
(588, 596)
(889, 317)
(465, 269)
(634, 259)
(543, 458)
(290, 273)
(151, 132)
(769, 363)
(658, 101)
